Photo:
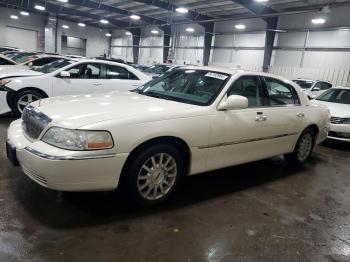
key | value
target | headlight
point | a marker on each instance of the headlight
(78, 140)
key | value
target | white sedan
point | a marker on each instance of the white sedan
(70, 77)
(186, 122)
(338, 101)
(313, 88)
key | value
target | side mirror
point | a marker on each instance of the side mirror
(64, 74)
(316, 89)
(234, 102)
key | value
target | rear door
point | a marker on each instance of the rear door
(119, 78)
(284, 114)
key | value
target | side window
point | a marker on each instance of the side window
(249, 87)
(325, 86)
(280, 93)
(85, 71)
(118, 72)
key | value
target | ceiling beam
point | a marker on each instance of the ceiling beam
(256, 8)
(191, 15)
(112, 9)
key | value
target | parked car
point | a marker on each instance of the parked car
(157, 70)
(338, 101)
(8, 48)
(186, 122)
(140, 67)
(4, 60)
(70, 77)
(313, 88)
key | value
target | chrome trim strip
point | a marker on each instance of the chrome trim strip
(50, 157)
(246, 141)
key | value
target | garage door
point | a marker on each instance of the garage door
(21, 38)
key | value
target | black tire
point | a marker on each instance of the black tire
(132, 178)
(16, 108)
(297, 157)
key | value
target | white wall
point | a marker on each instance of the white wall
(96, 42)
(34, 23)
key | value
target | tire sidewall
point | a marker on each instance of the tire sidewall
(136, 164)
(307, 131)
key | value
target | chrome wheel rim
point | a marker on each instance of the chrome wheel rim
(305, 147)
(25, 100)
(157, 176)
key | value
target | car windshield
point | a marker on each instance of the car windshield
(304, 84)
(157, 69)
(21, 58)
(198, 87)
(51, 67)
(340, 96)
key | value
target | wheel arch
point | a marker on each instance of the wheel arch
(32, 88)
(167, 140)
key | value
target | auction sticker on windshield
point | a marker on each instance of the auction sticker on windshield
(216, 75)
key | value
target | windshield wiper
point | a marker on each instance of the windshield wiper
(156, 95)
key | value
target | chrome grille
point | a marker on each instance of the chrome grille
(34, 121)
(337, 120)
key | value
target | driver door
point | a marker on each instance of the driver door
(85, 78)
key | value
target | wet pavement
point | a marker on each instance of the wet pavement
(263, 211)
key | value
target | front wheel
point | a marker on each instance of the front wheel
(153, 174)
(303, 148)
(22, 99)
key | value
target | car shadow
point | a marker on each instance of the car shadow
(336, 144)
(76, 210)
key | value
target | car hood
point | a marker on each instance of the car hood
(80, 110)
(336, 109)
(16, 71)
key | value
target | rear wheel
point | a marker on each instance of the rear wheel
(303, 148)
(22, 99)
(153, 174)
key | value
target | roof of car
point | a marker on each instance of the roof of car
(341, 87)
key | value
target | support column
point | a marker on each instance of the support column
(208, 36)
(136, 37)
(50, 34)
(271, 24)
(166, 41)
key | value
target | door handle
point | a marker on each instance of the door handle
(97, 84)
(300, 115)
(261, 118)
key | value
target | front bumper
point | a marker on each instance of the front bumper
(337, 129)
(65, 170)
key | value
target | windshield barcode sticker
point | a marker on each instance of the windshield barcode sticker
(216, 75)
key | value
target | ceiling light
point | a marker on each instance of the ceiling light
(108, 34)
(189, 29)
(240, 27)
(127, 33)
(24, 13)
(135, 17)
(261, 1)
(104, 21)
(81, 24)
(65, 26)
(182, 10)
(318, 21)
(156, 32)
(63, 1)
(39, 7)
(14, 17)
(277, 30)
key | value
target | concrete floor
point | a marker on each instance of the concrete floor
(264, 211)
